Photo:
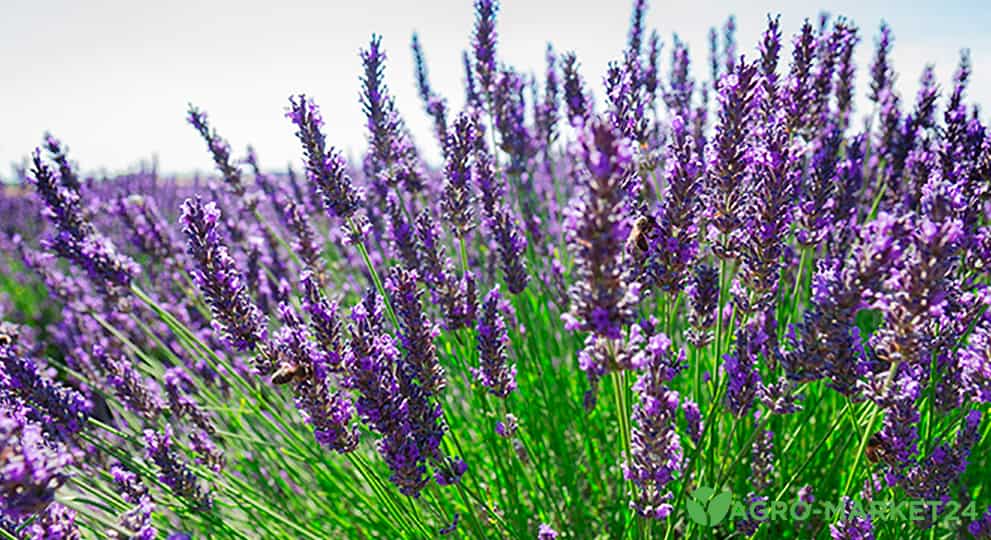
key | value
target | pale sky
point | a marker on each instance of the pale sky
(112, 78)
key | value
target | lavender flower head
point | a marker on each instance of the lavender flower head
(326, 168)
(372, 359)
(75, 238)
(600, 301)
(728, 165)
(31, 466)
(237, 320)
(656, 447)
(328, 411)
(417, 332)
(219, 148)
(484, 44)
(494, 372)
(456, 202)
(173, 471)
(393, 157)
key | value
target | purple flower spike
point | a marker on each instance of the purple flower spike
(484, 44)
(237, 319)
(75, 238)
(417, 332)
(576, 98)
(494, 371)
(457, 196)
(31, 468)
(393, 158)
(173, 471)
(656, 448)
(435, 105)
(325, 167)
(728, 165)
(601, 301)
(219, 149)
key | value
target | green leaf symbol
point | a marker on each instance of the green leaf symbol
(719, 506)
(696, 512)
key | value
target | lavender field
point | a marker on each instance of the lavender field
(696, 296)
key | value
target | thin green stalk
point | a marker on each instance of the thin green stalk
(854, 472)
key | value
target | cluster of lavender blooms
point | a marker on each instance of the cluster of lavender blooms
(745, 218)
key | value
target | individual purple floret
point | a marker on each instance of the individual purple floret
(220, 150)
(656, 448)
(601, 302)
(173, 470)
(546, 532)
(494, 372)
(237, 319)
(325, 167)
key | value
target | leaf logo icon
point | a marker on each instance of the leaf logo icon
(705, 507)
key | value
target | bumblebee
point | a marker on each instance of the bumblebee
(288, 373)
(639, 239)
(877, 451)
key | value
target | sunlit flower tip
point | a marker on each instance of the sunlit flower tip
(546, 532)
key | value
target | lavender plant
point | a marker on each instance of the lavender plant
(588, 317)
